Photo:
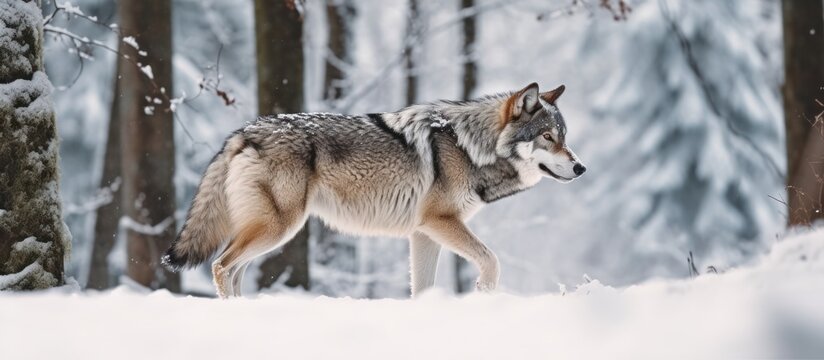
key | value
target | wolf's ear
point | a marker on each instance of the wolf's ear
(525, 100)
(553, 95)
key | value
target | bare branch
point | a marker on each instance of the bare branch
(70, 11)
(619, 11)
(76, 41)
(102, 197)
(414, 39)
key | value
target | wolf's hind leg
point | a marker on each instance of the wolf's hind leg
(237, 277)
(255, 241)
(423, 262)
(452, 233)
(262, 222)
(220, 276)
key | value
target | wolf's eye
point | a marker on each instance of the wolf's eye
(548, 137)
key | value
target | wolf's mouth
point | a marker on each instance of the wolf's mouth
(546, 170)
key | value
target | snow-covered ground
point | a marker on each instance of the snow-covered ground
(771, 308)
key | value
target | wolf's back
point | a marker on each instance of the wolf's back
(207, 225)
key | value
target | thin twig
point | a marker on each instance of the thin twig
(619, 14)
(780, 201)
(81, 63)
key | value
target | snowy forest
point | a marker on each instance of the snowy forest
(696, 231)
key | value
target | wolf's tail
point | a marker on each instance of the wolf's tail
(207, 225)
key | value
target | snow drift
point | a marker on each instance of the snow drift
(769, 309)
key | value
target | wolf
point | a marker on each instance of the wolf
(421, 172)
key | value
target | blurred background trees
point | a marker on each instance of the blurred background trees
(696, 104)
(676, 107)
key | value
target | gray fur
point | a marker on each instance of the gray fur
(422, 170)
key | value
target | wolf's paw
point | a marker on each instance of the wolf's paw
(485, 285)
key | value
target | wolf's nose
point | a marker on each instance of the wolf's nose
(579, 169)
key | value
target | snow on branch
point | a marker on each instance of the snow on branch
(103, 197)
(147, 70)
(80, 45)
(132, 42)
(70, 10)
(78, 42)
(131, 224)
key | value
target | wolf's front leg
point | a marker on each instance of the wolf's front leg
(452, 233)
(423, 262)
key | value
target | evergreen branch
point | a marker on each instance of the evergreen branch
(692, 64)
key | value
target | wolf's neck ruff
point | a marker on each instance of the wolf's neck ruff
(476, 123)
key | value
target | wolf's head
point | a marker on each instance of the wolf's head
(533, 135)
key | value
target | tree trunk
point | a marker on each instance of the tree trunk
(338, 14)
(808, 185)
(413, 32)
(470, 69)
(332, 248)
(803, 59)
(147, 134)
(108, 215)
(470, 81)
(33, 238)
(279, 42)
